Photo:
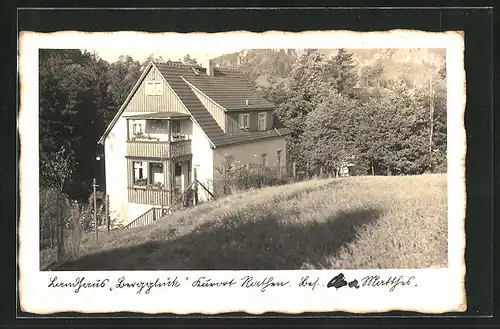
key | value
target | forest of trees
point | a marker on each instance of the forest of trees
(339, 116)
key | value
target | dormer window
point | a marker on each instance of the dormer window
(261, 122)
(153, 88)
(244, 121)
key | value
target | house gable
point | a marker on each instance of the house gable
(138, 99)
(165, 101)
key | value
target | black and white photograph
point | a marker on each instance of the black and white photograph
(258, 159)
(308, 157)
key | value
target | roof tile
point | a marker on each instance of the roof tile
(229, 88)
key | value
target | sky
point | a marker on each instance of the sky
(111, 54)
(204, 46)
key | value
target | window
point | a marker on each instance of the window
(137, 128)
(156, 174)
(261, 122)
(178, 177)
(176, 126)
(244, 121)
(278, 158)
(140, 179)
(153, 88)
(264, 159)
(156, 126)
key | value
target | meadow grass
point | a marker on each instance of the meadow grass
(349, 223)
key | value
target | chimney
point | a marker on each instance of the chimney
(209, 66)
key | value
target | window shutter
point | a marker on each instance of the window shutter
(262, 121)
(242, 125)
(263, 158)
(158, 88)
(244, 121)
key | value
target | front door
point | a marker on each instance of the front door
(178, 178)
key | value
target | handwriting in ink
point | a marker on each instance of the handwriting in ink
(307, 282)
(339, 282)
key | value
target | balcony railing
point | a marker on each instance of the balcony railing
(155, 149)
(150, 196)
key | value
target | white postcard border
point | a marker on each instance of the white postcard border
(431, 290)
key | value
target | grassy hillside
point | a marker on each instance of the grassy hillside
(357, 222)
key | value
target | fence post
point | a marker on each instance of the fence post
(195, 187)
(161, 203)
(58, 227)
(94, 185)
(51, 228)
(294, 170)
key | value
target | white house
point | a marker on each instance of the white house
(179, 120)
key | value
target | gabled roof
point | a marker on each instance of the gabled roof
(172, 74)
(228, 87)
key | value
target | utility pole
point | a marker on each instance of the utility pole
(106, 211)
(94, 185)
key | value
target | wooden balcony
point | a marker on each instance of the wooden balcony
(158, 149)
(150, 196)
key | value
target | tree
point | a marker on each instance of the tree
(331, 131)
(189, 61)
(56, 169)
(152, 58)
(302, 91)
(371, 75)
(395, 133)
(341, 74)
(74, 109)
(309, 83)
(121, 76)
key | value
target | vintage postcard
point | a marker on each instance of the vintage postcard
(242, 172)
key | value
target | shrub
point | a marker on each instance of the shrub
(77, 219)
(237, 178)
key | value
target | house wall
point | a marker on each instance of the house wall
(115, 149)
(215, 110)
(116, 170)
(167, 101)
(202, 159)
(250, 153)
(135, 210)
(233, 120)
